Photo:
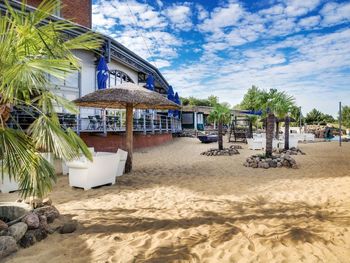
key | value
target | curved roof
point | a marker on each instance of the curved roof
(118, 51)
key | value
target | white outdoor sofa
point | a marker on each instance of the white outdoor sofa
(254, 144)
(7, 185)
(103, 170)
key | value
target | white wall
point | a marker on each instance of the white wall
(88, 77)
(116, 65)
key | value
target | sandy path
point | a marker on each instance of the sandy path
(180, 206)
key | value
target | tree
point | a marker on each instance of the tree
(346, 116)
(222, 115)
(31, 49)
(251, 102)
(317, 117)
(274, 103)
(213, 100)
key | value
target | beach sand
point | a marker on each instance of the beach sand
(179, 206)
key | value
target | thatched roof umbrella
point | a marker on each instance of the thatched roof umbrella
(127, 96)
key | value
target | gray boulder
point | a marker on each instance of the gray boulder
(3, 225)
(28, 239)
(18, 230)
(68, 227)
(8, 245)
(32, 221)
(50, 212)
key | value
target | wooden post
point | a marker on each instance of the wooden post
(129, 137)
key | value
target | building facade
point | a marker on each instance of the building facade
(99, 128)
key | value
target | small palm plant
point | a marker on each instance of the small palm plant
(32, 48)
(222, 115)
(276, 103)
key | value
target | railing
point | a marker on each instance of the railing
(100, 123)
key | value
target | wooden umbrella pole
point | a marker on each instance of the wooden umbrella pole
(129, 137)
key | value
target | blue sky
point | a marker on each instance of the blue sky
(225, 47)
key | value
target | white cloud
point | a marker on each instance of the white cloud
(160, 63)
(334, 13)
(202, 13)
(180, 16)
(300, 7)
(222, 17)
(309, 22)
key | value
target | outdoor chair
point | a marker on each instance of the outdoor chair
(99, 122)
(92, 123)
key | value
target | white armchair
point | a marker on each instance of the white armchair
(101, 171)
(122, 156)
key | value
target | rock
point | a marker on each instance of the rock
(285, 163)
(49, 211)
(32, 220)
(19, 200)
(294, 166)
(68, 227)
(279, 165)
(3, 225)
(273, 164)
(8, 245)
(266, 165)
(28, 239)
(43, 223)
(47, 201)
(246, 164)
(34, 202)
(39, 234)
(18, 230)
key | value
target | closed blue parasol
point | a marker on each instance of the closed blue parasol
(177, 101)
(150, 82)
(102, 73)
(171, 97)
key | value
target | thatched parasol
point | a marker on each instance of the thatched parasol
(127, 96)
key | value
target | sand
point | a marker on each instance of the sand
(179, 206)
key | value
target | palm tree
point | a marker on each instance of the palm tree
(32, 48)
(222, 115)
(276, 103)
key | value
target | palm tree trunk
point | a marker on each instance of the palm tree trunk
(129, 137)
(269, 133)
(277, 129)
(250, 135)
(220, 143)
(286, 133)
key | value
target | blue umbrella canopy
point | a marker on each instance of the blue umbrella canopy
(102, 73)
(252, 112)
(171, 97)
(150, 82)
